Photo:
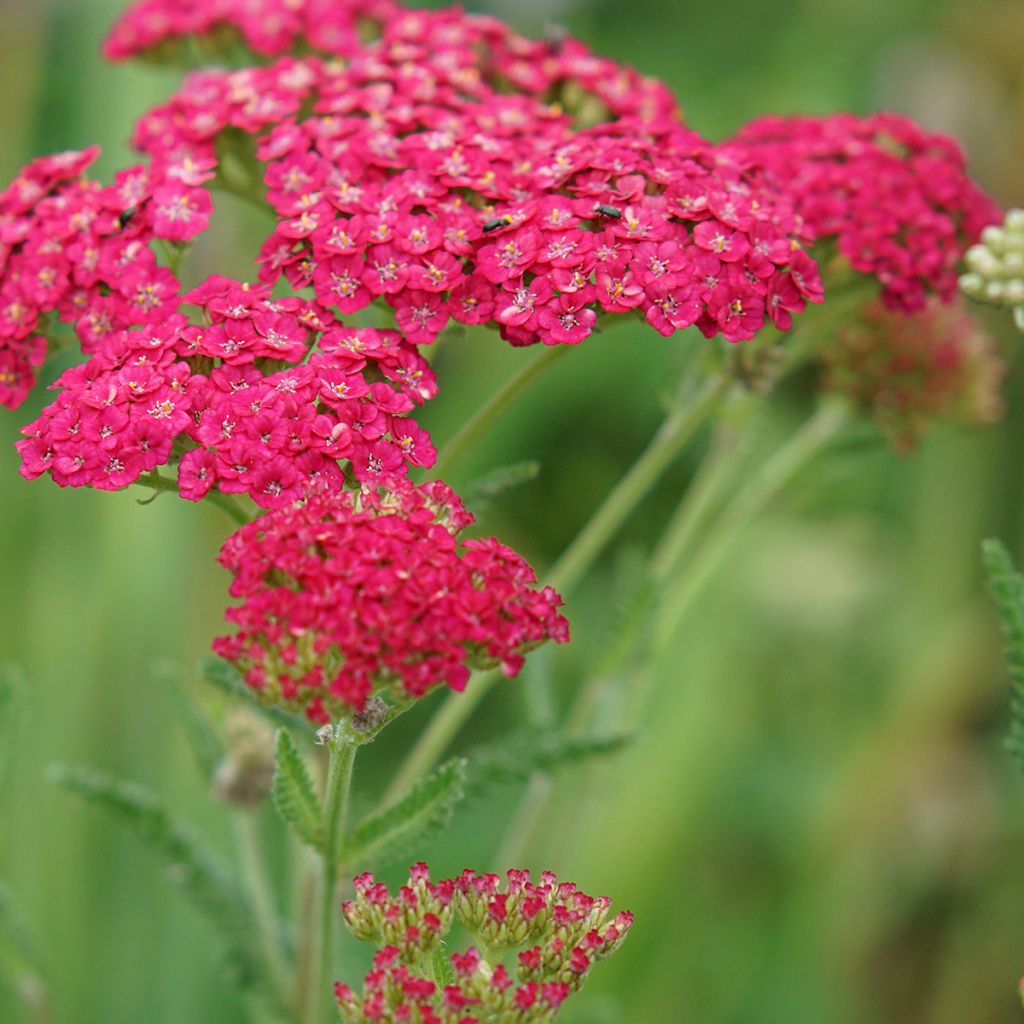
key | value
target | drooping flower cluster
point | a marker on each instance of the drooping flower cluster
(353, 593)
(557, 931)
(470, 49)
(72, 247)
(996, 267)
(262, 397)
(906, 371)
(896, 199)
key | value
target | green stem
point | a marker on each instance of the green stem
(488, 414)
(261, 896)
(682, 423)
(342, 749)
(439, 733)
(761, 488)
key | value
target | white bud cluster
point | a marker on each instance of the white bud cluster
(995, 266)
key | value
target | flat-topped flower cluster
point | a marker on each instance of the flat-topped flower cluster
(556, 931)
(353, 593)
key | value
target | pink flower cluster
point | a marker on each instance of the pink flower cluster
(471, 49)
(407, 187)
(896, 199)
(563, 929)
(72, 247)
(261, 398)
(351, 593)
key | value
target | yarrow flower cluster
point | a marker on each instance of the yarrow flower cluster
(415, 186)
(907, 371)
(72, 247)
(557, 931)
(354, 593)
(896, 199)
(262, 397)
(996, 266)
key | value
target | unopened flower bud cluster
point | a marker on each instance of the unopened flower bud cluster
(996, 266)
(556, 932)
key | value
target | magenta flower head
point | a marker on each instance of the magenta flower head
(551, 931)
(895, 199)
(259, 397)
(76, 251)
(350, 594)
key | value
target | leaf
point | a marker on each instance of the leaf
(194, 721)
(519, 756)
(383, 837)
(223, 675)
(481, 493)
(203, 878)
(293, 793)
(1007, 587)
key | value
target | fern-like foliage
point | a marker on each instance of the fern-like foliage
(517, 757)
(1007, 586)
(480, 494)
(195, 723)
(399, 830)
(294, 794)
(200, 875)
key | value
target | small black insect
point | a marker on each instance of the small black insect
(126, 216)
(498, 222)
(609, 211)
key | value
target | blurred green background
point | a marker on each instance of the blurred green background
(817, 822)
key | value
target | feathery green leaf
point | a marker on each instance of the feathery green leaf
(517, 757)
(398, 830)
(293, 792)
(203, 878)
(481, 493)
(1007, 586)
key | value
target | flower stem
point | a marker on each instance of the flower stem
(772, 477)
(442, 729)
(342, 748)
(682, 423)
(491, 411)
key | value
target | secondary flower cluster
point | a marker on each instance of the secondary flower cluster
(352, 593)
(996, 266)
(72, 247)
(261, 398)
(557, 930)
(908, 370)
(896, 199)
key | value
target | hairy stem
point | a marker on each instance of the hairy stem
(155, 482)
(342, 748)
